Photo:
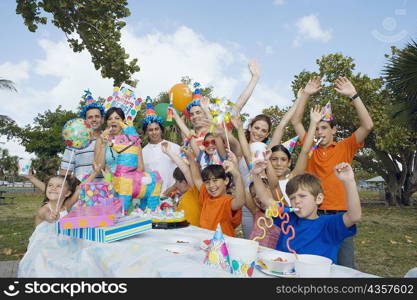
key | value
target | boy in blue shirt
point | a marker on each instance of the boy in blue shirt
(320, 235)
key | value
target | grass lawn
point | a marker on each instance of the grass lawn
(386, 243)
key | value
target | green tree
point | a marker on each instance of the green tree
(8, 164)
(401, 75)
(88, 24)
(390, 150)
(7, 84)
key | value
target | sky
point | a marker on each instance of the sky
(209, 41)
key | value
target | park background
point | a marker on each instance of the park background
(43, 80)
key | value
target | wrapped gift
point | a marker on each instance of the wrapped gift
(96, 193)
(91, 216)
(124, 227)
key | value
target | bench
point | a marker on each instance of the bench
(4, 197)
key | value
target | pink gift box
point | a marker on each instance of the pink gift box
(96, 193)
(91, 216)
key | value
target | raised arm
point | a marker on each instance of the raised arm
(261, 191)
(312, 87)
(185, 169)
(181, 124)
(36, 182)
(279, 130)
(344, 87)
(100, 147)
(237, 122)
(194, 169)
(244, 97)
(353, 215)
(300, 166)
(231, 165)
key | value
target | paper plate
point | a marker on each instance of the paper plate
(261, 267)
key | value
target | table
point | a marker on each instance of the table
(144, 255)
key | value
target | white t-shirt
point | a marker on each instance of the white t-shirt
(155, 160)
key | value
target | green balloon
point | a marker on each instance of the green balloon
(161, 111)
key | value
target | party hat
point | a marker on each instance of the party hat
(291, 143)
(326, 112)
(150, 114)
(196, 97)
(126, 100)
(89, 104)
(217, 253)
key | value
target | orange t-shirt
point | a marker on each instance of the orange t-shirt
(322, 163)
(191, 206)
(218, 210)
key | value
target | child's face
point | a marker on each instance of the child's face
(280, 162)
(210, 145)
(181, 186)
(306, 203)
(256, 200)
(216, 186)
(53, 188)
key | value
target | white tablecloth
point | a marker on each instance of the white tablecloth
(144, 255)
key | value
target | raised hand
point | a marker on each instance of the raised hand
(254, 67)
(189, 152)
(231, 156)
(344, 87)
(230, 167)
(203, 122)
(313, 86)
(259, 166)
(236, 121)
(344, 172)
(205, 101)
(315, 114)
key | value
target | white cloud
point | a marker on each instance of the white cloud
(309, 28)
(60, 76)
(278, 2)
(15, 72)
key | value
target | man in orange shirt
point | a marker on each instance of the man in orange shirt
(330, 153)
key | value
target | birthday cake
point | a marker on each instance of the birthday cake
(164, 216)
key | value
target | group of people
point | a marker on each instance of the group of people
(217, 181)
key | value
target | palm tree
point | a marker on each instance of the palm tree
(7, 84)
(401, 76)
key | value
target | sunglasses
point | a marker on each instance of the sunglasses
(208, 143)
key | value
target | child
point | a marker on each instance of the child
(320, 235)
(70, 192)
(189, 195)
(213, 153)
(257, 208)
(217, 206)
(280, 159)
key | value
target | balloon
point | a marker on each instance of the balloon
(161, 111)
(77, 134)
(181, 96)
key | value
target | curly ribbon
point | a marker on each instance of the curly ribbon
(273, 211)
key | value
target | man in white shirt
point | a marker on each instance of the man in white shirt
(153, 157)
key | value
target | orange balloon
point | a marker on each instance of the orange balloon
(181, 96)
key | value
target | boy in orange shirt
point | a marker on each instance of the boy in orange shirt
(213, 182)
(330, 153)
